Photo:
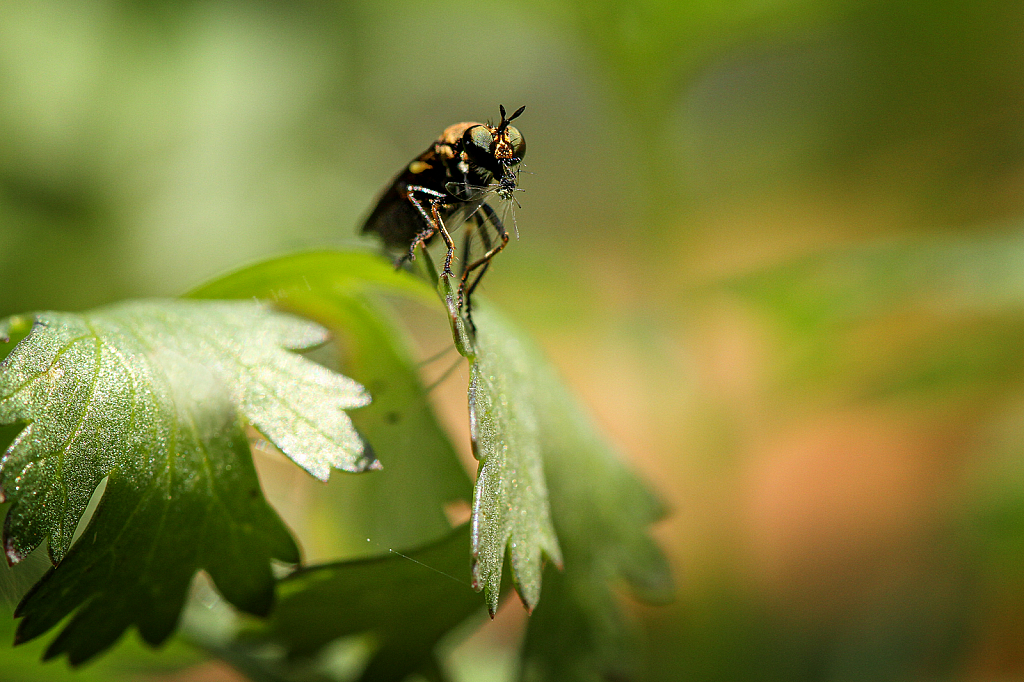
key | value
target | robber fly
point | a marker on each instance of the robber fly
(452, 181)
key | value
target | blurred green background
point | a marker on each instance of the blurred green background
(776, 246)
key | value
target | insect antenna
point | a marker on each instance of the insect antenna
(505, 121)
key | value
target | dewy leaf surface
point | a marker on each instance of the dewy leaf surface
(403, 505)
(510, 504)
(153, 396)
(401, 607)
(600, 511)
(510, 501)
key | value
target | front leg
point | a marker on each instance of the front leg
(421, 238)
(435, 223)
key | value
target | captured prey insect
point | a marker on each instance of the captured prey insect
(452, 181)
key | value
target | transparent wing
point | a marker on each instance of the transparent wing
(469, 208)
(463, 191)
(505, 188)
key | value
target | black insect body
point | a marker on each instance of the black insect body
(452, 180)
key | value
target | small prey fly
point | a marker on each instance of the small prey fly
(452, 181)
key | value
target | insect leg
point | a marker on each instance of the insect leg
(435, 222)
(469, 295)
(447, 272)
(426, 233)
(481, 225)
(467, 242)
(483, 260)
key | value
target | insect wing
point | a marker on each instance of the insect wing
(468, 207)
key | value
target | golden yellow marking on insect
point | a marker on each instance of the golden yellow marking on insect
(503, 149)
(419, 166)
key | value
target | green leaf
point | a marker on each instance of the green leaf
(599, 510)
(448, 292)
(151, 396)
(510, 505)
(520, 408)
(399, 606)
(403, 504)
(132, 661)
(344, 272)
(510, 502)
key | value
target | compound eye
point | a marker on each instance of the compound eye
(518, 142)
(479, 140)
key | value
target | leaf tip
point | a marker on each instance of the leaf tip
(527, 597)
(368, 458)
(15, 325)
(19, 634)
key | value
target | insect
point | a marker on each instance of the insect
(451, 181)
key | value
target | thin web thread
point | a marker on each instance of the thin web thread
(427, 566)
